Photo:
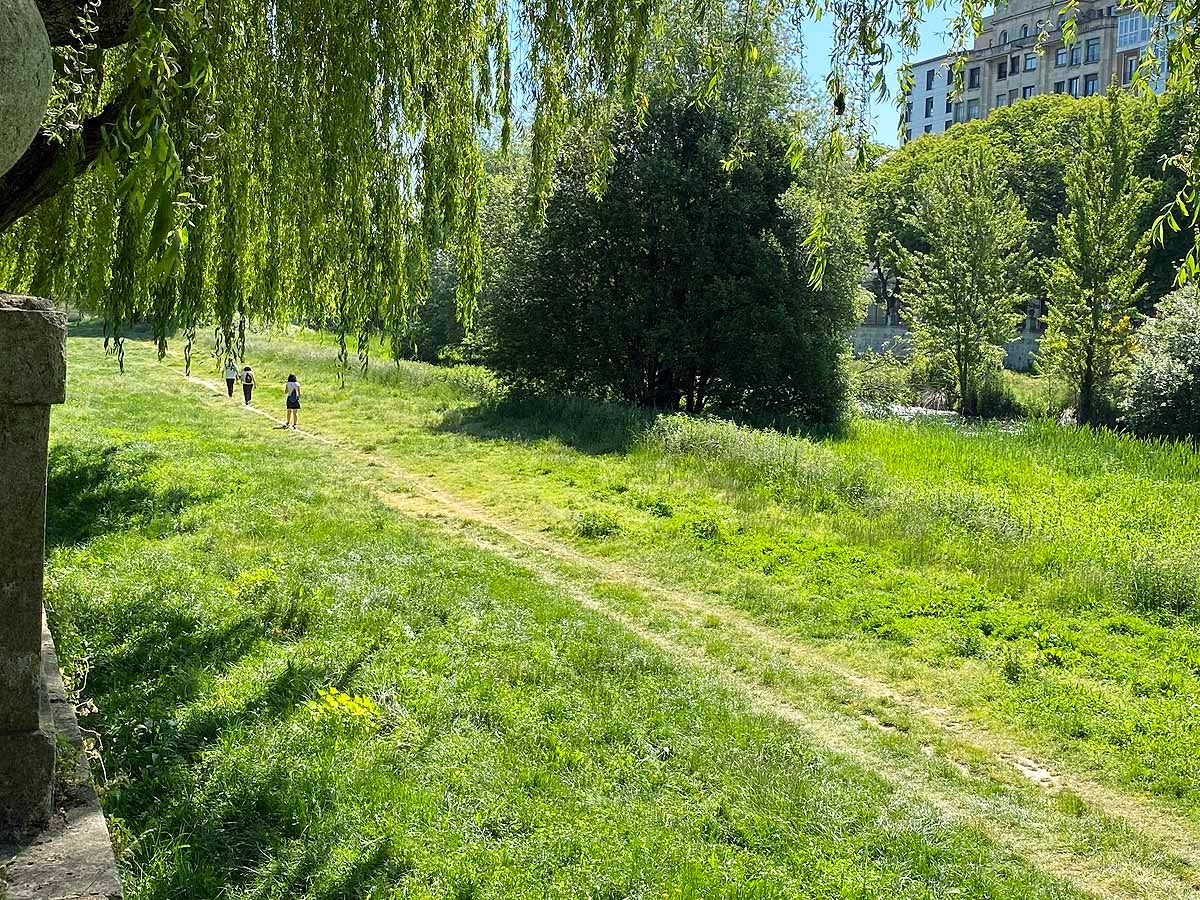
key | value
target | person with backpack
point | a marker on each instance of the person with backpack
(291, 392)
(247, 380)
(231, 375)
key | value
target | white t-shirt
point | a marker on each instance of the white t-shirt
(291, 387)
(231, 372)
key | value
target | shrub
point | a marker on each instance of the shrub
(995, 398)
(597, 524)
(685, 284)
(881, 380)
(1162, 392)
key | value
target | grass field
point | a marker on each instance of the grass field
(580, 651)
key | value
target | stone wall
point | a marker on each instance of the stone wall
(895, 339)
(32, 378)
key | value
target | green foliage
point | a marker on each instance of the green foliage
(1162, 392)
(685, 282)
(1032, 144)
(597, 524)
(1096, 278)
(880, 380)
(963, 291)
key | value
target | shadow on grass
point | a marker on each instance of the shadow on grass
(93, 489)
(94, 328)
(204, 826)
(589, 426)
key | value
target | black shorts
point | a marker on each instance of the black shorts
(293, 402)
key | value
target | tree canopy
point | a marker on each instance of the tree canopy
(685, 282)
(304, 158)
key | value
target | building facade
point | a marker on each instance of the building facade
(1020, 53)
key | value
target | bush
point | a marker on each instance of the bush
(597, 524)
(1162, 392)
(685, 284)
(881, 380)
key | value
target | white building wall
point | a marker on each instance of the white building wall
(927, 111)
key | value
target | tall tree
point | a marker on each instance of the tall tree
(214, 159)
(686, 283)
(964, 289)
(1096, 279)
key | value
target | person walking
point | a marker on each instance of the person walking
(247, 384)
(291, 391)
(231, 374)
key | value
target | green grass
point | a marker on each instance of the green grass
(209, 577)
(1035, 576)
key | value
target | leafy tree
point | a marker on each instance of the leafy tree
(1032, 143)
(686, 283)
(209, 161)
(963, 291)
(1101, 256)
(1162, 393)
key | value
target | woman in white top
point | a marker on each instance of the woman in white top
(231, 374)
(291, 392)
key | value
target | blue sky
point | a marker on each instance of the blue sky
(818, 42)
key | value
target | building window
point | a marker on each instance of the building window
(1129, 68)
(1059, 87)
(949, 125)
(1093, 50)
(949, 106)
(928, 129)
(1024, 31)
(1030, 62)
(1133, 30)
(1060, 57)
(1001, 99)
(1002, 70)
(1073, 86)
(958, 112)
(1091, 85)
(1076, 55)
(1004, 36)
(1027, 92)
(908, 111)
(929, 76)
(972, 109)
(908, 135)
(973, 78)
(928, 107)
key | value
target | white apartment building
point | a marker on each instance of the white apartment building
(1007, 64)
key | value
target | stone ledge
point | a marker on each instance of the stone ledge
(73, 858)
(33, 352)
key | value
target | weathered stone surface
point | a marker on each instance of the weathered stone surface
(26, 777)
(25, 74)
(32, 376)
(72, 859)
(23, 436)
(33, 351)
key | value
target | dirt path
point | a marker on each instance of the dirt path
(959, 768)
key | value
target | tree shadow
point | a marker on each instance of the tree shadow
(94, 489)
(159, 752)
(595, 427)
(592, 427)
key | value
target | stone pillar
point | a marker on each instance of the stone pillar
(33, 373)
